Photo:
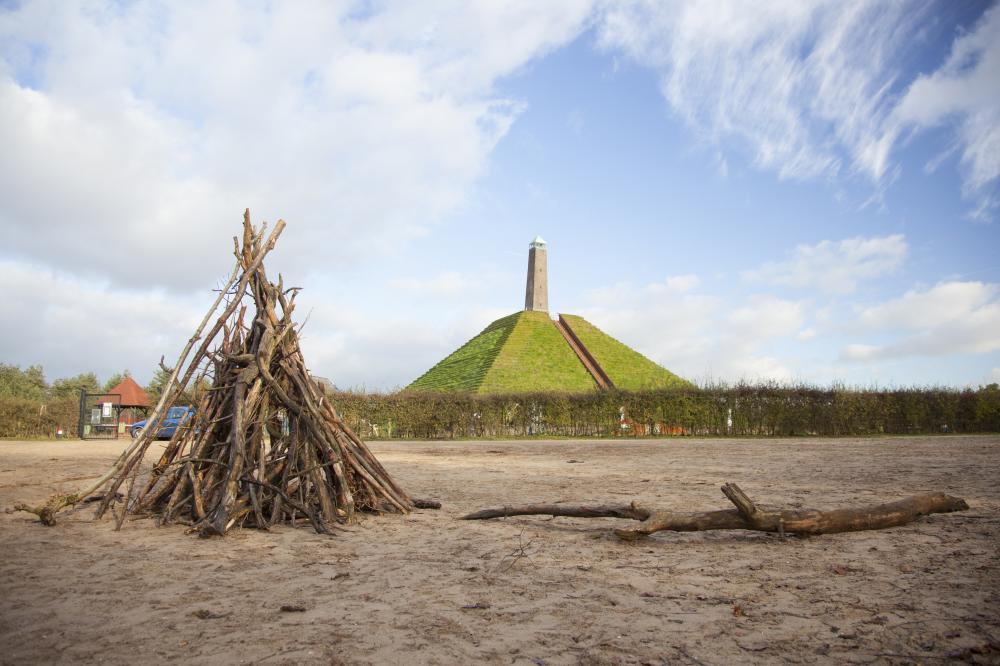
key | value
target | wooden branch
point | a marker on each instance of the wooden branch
(229, 466)
(317, 523)
(175, 386)
(744, 504)
(632, 511)
(747, 515)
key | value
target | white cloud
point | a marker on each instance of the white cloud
(144, 129)
(753, 368)
(675, 284)
(448, 283)
(73, 325)
(611, 295)
(768, 337)
(666, 325)
(966, 87)
(858, 352)
(805, 85)
(357, 350)
(134, 134)
(694, 334)
(813, 88)
(835, 267)
(766, 316)
(947, 319)
(944, 303)
(78, 326)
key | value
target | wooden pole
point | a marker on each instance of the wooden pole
(228, 467)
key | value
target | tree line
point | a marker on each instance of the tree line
(31, 407)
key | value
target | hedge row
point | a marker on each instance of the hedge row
(743, 410)
(22, 418)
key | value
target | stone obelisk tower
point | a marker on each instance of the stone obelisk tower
(536, 293)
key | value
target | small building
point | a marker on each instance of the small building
(128, 401)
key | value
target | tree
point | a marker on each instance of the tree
(71, 386)
(988, 408)
(115, 380)
(156, 385)
(189, 396)
(28, 383)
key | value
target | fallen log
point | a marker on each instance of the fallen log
(633, 511)
(746, 516)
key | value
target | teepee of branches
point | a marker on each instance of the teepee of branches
(264, 446)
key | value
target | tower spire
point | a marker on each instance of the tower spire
(536, 293)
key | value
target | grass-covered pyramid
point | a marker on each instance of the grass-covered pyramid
(526, 352)
(627, 368)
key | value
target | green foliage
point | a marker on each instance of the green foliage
(30, 408)
(520, 352)
(20, 417)
(769, 410)
(115, 380)
(156, 385)
(28, 384)
(535, 357)
(985, 409)
(189, 396)
(23, 418)
(465, 369)
(627, 368)
(71, 386)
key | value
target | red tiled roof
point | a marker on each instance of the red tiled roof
(131, 394)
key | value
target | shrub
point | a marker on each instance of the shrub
(741, 410)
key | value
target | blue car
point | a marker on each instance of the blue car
(176, 416)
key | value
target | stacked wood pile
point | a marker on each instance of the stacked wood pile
(264, 446)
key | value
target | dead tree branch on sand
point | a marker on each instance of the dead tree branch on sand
(264, 445)
(746, 516)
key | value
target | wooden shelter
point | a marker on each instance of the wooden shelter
(129, 400)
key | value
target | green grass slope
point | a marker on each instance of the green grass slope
(466, 367)
(522, 352)
(627, 368)
(536, 357)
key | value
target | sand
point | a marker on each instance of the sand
(430, 589)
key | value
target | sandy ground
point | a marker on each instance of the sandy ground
(430, 589)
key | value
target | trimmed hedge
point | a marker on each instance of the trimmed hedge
(21, 418)
(742, 410)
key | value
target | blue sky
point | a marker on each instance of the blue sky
(783, 191)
